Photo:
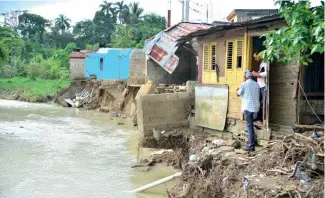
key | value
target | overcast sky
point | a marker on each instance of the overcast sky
(78, 10)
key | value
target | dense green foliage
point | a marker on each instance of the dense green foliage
(303, 36)
(39, 48)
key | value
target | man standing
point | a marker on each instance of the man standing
(250, 93)
(260, 75)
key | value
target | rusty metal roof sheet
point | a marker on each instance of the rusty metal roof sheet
(163, 46)
(78, 55)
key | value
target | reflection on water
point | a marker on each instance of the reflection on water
(50, 151)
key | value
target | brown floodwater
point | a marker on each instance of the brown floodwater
(51, 151)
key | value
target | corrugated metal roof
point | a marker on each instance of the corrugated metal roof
(103, 50)
(78, 55)
(230, 26)
(163, 46)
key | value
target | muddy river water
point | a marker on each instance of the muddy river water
(50, 151)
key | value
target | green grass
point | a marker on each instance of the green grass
(32, 88)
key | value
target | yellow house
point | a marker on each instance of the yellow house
(226, 52)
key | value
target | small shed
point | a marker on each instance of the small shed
(77, 64)
(108, 64)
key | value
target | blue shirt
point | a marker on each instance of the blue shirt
(250, 94)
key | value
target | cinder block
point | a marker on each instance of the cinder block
(157, 119)
(155, 97)
(161, 111)
(182, 95)
(171, 96)
(148, 111)
(181, 117)
(173, 111)
(180, 104)
(170, 118)
(157, 104)
(178, 124)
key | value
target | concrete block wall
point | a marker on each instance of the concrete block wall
(186, 70)
(77, 68)
(137, 67)
(161, 112)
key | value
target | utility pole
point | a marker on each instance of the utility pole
(169, 14)
(187, 10)
(182, 10)
(207, 13)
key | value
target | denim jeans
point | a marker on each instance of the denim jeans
(249, 117)
(258, 115)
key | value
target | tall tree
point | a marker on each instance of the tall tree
(31, 24)
(107, 8)
(135, 13)
(62, 22)
(84, 33)
(120, 7)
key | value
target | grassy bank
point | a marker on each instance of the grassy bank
(25, 89)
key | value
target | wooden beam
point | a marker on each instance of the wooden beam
(308, 127)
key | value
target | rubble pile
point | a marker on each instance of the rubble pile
(107, 96)
(164, 88)
(290, 167)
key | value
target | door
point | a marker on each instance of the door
(234, 71)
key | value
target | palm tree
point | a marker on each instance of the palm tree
(120, 8)
(106, 7)
(62, 22)
(135, 12)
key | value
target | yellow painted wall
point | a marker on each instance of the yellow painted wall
(232, 75)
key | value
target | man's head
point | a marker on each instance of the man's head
(256, 57)
(248, 75)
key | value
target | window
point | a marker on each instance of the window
(101, 64)
(230, 49)
(213, 57)
(239, 57)
(206, 57)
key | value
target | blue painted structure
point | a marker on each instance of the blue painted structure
(108, 64)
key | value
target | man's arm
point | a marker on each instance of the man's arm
(240, 91)
(261, 74)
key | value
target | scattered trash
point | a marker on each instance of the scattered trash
(245, 183)
(120, 123)
(315, 135)
(193, 158)
(304, 178)
(162, 151)
(224, 181)
(219, 142)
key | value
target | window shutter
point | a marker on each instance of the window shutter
(205, 57)
(239, 57)
(213, 57)
(230, 50)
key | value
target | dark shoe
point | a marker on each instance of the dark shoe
(248, 149)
